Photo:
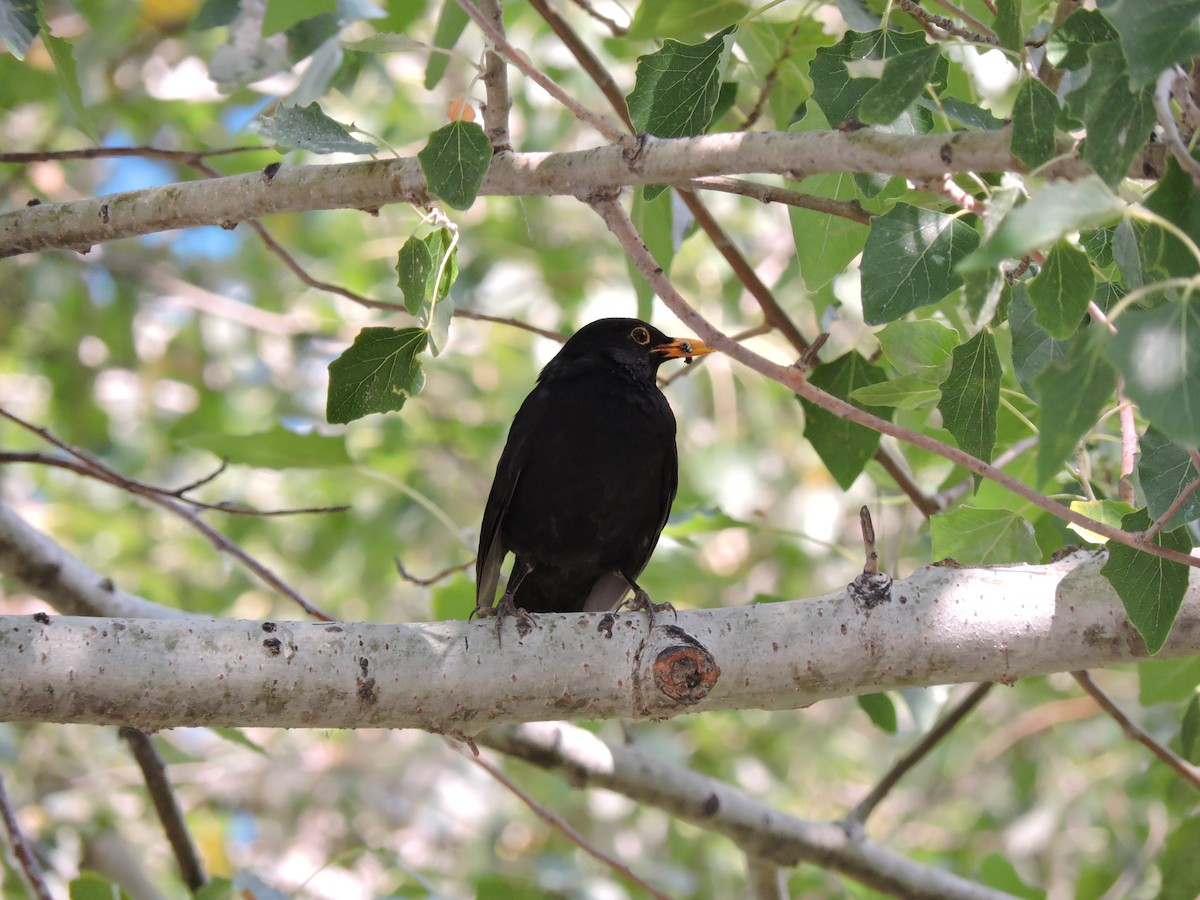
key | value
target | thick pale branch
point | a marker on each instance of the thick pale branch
(77, 225)
(941, 625)
(756, 828)
(47, 570)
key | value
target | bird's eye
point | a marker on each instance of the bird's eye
(640, 336)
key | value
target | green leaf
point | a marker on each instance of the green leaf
(1151, 588)
(1155, 34)
(979, 537)
(90, 886)
(923, 344)
(1179, 863)
(1061, 291)
(455, 161)
(910, 260)
(1032, 348)
(283, 14)
(1069, 43)
(238, 737)
(683, 20)
(308, 128)
(676, 88)
(378, 373)
(825, 244)
(655, 221)
(419, 262)
(414, 270)
(1110, 512)
(1071, 394)
(275, 448)
(452, 22)
(881, 711)
(910, 391)
(905, 77)
(976, 118)
(1158, 353)
(687, 523)
(1055, 210)
(1168, 680)
(1164, 470)
(985, 291)
(63, 57)
(438, 324)
(1009, 28)
(971, 395)
(837, 93)
(219, 888)
(1176, 199)
(1118, 119)
(18, 25)
(1189, 731)
(1034, 112)
(844, 447)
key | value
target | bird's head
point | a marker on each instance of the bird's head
(630, 344)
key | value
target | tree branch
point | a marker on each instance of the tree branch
(1135, 732)
(79, 224)
(584, 759)
(996, 624)
(794, 378)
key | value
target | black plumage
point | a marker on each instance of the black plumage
(586, 480)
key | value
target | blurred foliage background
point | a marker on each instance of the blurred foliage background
(153, 353)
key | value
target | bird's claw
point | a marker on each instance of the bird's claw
(641, 601)
(507, 609)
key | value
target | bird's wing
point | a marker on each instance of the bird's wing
(492, 548)
(670, 484)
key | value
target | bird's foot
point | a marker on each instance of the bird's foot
(641, 601)
(508, 609)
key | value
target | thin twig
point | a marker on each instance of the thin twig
(222, 543)
(184, 156)
(1098, 315)
(512, 323)
(1170, 511)
(547, 84)
(432, 579)
(1135, 732)
(91, 469)
(588, 60)
(614, 27)
(772, 76)
(769, 193)
(1129, 443)
(793, 378)
(950, 189)
(857, 817)
(21, 850)
(931, 21)
(1173, 80)
(967, 18)
(166, 804)
(1176, 504)
(745, 273)
(298, 270)
(558, 824)
(495, 81)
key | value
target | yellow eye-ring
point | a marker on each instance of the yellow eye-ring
(640, 336)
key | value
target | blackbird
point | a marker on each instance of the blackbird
(585, 482)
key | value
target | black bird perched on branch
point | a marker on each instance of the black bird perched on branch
(585, 482)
